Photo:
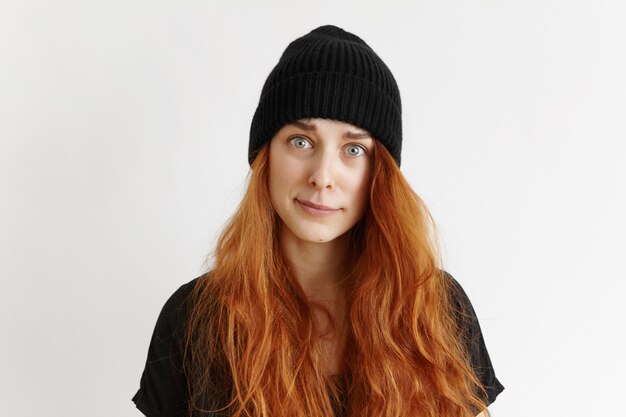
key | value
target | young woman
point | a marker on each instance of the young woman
(327, 295)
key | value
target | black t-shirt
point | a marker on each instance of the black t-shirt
(163, 386)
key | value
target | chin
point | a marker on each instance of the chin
(316, 237)
(317, 234)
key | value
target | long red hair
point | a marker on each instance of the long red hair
(252, 348)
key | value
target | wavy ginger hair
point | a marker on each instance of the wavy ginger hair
(252, 346)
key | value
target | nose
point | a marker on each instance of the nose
(322, 171)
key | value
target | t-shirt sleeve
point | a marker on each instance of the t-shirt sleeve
(473, 337)
(163, 385)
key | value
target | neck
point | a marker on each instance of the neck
(319, 267)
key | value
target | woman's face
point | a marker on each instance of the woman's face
(319, 177)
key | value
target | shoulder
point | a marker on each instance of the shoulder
(472, 338)
(461, 308)
(458, 297)
(170, 323)
(180, 297)
(163, 384)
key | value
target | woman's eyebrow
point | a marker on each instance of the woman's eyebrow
(347, 135)
(354, 135)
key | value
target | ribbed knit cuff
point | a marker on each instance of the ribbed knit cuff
(331, 95)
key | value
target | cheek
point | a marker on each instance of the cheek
(360, 186)
(365, 178)
(275, 186)
(281, 180)
(285, 170)
(362, 196)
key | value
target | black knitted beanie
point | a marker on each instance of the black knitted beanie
(332, 74)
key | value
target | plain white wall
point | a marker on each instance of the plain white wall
(124, 129)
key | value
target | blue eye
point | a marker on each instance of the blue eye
(355, 150)
(300, 142)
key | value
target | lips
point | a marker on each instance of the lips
(316, 209)
(316, 206)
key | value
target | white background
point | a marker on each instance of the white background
(124, 129)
